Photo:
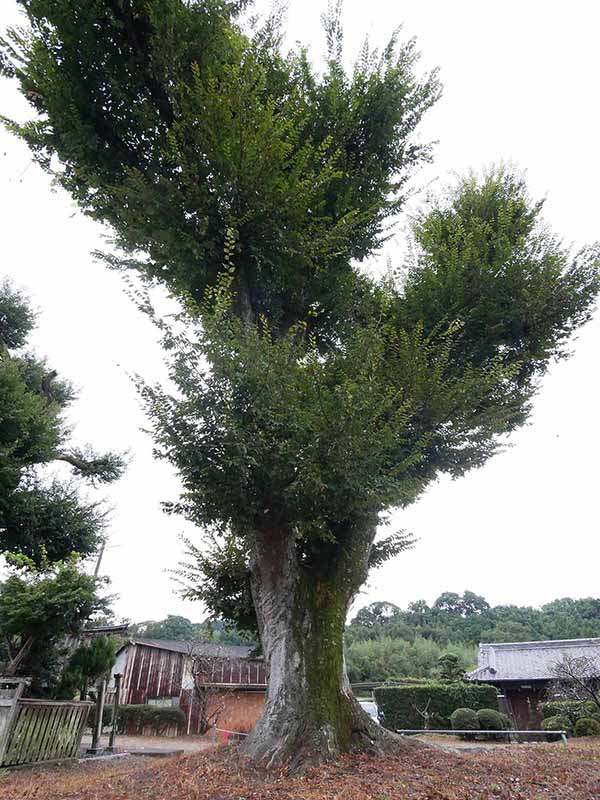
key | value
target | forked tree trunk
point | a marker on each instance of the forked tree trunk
(15, 661)
(310, 712)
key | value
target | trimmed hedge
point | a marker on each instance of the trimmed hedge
(136, 719)
(587, 727)
(573, 710)
(106, 717)
(399, 704)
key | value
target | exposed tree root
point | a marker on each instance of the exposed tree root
(299, 747)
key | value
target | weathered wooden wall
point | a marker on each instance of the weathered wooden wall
(240, 710)
(151, 674)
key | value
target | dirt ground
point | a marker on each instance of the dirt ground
(128, 744)
(445, 741)
(521, 772)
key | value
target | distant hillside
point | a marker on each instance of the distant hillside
(384, 641)
(182, 629)
(469, 618)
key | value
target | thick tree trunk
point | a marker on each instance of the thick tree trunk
(310, 712)
(15, 662)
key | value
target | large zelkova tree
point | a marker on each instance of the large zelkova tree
(311, 397)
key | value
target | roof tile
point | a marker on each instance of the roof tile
(516, 661)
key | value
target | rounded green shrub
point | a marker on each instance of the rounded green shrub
(464, 719)
(586, 726)
(508, 722)
(492, 720)
(556, 723)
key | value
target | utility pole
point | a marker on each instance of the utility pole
(97, 733)
(115, 713)
(99, 559)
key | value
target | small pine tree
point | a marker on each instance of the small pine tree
(87, 664)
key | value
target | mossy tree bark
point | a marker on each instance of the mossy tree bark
(310, 712)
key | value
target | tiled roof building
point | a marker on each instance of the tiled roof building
(523, 671)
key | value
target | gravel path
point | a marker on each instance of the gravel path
(189, 744)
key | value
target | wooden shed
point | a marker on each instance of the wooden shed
(159, 672)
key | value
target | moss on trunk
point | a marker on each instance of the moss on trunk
(310, 712)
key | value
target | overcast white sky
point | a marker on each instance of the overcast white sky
(521, 85)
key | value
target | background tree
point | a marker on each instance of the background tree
(577, 678)
(387, 658)
(379, 619)
(473, 604)
(89, 662)
(311, 397)
(44, 519)
(40, 606)
(210, 698)
(561, 619)
(450, 668)
(411, 642)
(182, 629)
(47, 528)
(420, 612)
(376, 614)
(172, 627)
(449, 602)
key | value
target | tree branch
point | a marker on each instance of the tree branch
(22, 653)
(136, 32)
(104, 469)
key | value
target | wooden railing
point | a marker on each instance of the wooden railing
(32, 731)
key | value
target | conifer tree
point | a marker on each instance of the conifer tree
(41, 518)
(47, 527)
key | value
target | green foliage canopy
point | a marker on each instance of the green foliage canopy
(174, 126)
(172, 627)
(90, 661)
(182, 629)
(46, 526)
(40, 518)
(39, 607)
(249, 185)
(387, 658)
(309, 397)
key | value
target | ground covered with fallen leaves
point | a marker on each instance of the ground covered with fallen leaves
(519, 772)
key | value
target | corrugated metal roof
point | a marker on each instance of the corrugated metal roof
(195, 648)
(528, 661)
(106, 629)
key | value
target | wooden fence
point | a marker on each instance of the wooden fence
(32, 731)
